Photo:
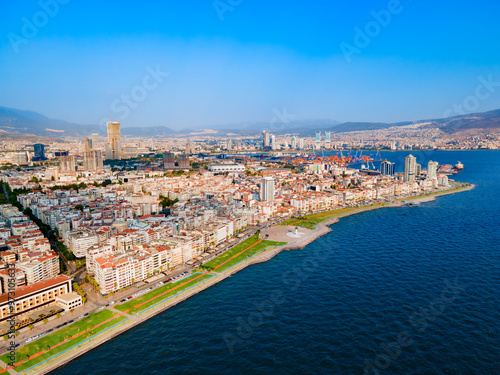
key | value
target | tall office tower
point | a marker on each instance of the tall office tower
(327, 139)
(21, 157)
(274, 144)
(419, 170)
(267, 189)
(294, 142)
(92, 160)
(39, 152)
(229, 145)
(184, 162)
(432, 167)
(114, 140)
(410, 168)
(266, 140)
(168, 161)
(387, 168)
(318, 140)
(68, 164)
(398, 145)
(95, 137)
(393, 145)
(301, 143)
(188, 148)
(88, 144)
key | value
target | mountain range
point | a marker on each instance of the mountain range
(14, 122)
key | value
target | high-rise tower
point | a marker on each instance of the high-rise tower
(114, 141)
(410, 168)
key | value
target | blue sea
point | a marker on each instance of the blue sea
(413, 290)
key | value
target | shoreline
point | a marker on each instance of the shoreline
(321, 229)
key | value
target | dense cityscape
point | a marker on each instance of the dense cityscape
(83, 223)
(249, 187)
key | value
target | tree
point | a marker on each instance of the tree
(31, 326)
(45, 321)
(5, 337)
(79, 207)
(58, 315)
(52, 178)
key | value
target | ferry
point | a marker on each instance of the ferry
(459, 166)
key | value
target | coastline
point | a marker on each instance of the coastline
(321, 229)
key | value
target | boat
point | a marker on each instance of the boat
(459, 166)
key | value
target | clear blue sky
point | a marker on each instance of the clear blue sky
(263, 55)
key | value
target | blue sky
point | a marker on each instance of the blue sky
(231, 61)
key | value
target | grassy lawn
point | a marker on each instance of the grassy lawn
(310, 221)
(162, 293)
(55, 338)
(217, 263)
(458, 187)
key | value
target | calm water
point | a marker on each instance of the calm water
(428, 276)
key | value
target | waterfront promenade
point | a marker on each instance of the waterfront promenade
(278, 233)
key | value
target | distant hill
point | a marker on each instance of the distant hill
(476, 121)
(16, 121)
(147, 131)
(28, 122)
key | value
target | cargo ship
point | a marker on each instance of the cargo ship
(459, 166)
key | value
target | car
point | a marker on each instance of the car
(81, 316)
(123, 300)
(50, 330)
(71, 321)
(86, 314)
(111, 303)
(130, 297)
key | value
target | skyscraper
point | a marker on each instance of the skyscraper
(184, 162)
(266, 140)
(88, 144)
(301, 143)
(273, 142)
(92, 160)
(387, 168)
(318, 140)
(267, 189)
(432, 169)
(168, 161)
(95, 137)
(68, 164)
(114, 140)
(39, 152)
(410, 168)
(327, 139)
(294, 142)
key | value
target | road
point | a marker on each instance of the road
(69, 266)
